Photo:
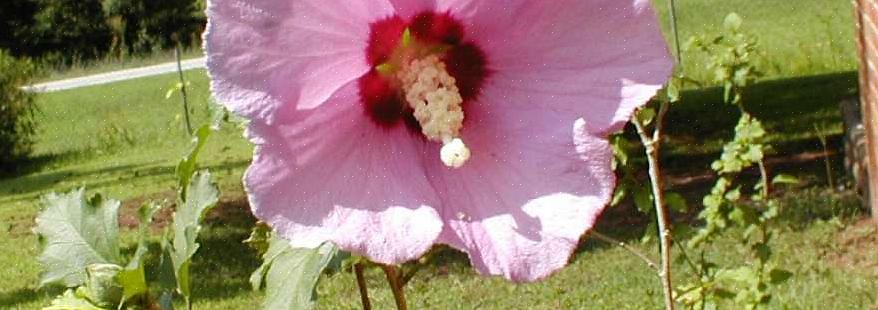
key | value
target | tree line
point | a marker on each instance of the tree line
(62, 31)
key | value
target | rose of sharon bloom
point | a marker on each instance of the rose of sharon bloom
(388, 126)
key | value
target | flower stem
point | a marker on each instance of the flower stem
(672, 12)
(649, 262)
(394, 277)
(183, 89)
(361, 283)
(653, 147)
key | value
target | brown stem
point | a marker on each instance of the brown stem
(653, 146)
(625, 246)
(361, 283)
(766, 184)
(395, 279)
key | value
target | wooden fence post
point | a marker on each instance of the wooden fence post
(867, 44)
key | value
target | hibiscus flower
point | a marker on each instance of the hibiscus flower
(388, 126)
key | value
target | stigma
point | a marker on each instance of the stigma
(432, 94)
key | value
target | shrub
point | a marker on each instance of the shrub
(143, 26)
(17, 125)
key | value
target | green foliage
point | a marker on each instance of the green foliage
(203, 195)
(730, 58)
(81, 245)
(749, 285)
(72, 300)
(141, 26)
(69, 30)
(133, 277)
(103, 287)
(197, 195)
(76, 233)
(290, 274)
(17, 108)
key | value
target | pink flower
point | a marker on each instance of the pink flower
(387, 126)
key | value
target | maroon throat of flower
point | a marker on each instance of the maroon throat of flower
(423, 76)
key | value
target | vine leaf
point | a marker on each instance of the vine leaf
(75, 233)
(290, 274)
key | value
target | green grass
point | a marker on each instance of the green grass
(797, 38)
(124, 139)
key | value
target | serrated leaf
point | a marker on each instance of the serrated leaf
(203, 195)
(291, 274)
(71, 300)
(188, 165)
(76, 233)
(133, 277)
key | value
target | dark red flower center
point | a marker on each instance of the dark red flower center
(394, 41)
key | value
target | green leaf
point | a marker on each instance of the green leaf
(779, 276)
(188, 165)
(619, 195)
(102, 287)
(203, 195)
(646, 116)
(673, 90)
(733, 22)
(75, 233)
(166, 301)
(406, 37)
(71, 300)
(260, 238)
(744, 274)
(133, 277)
(291, 274)
(785, 179)
(676, 202)
(643, 199)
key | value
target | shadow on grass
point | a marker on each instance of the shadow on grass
(32, 185)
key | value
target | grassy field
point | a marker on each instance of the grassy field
(124, 139)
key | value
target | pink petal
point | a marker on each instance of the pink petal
(408, 8)
(537, 180)
(599, 59)
(271, 56)
(332, 175)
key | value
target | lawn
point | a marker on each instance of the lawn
(124, 139)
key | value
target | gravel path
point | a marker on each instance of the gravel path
(115, 76)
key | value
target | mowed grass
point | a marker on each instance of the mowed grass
(123, 140)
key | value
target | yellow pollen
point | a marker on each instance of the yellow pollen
(433, 95)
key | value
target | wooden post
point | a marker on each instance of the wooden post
(867, 44)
